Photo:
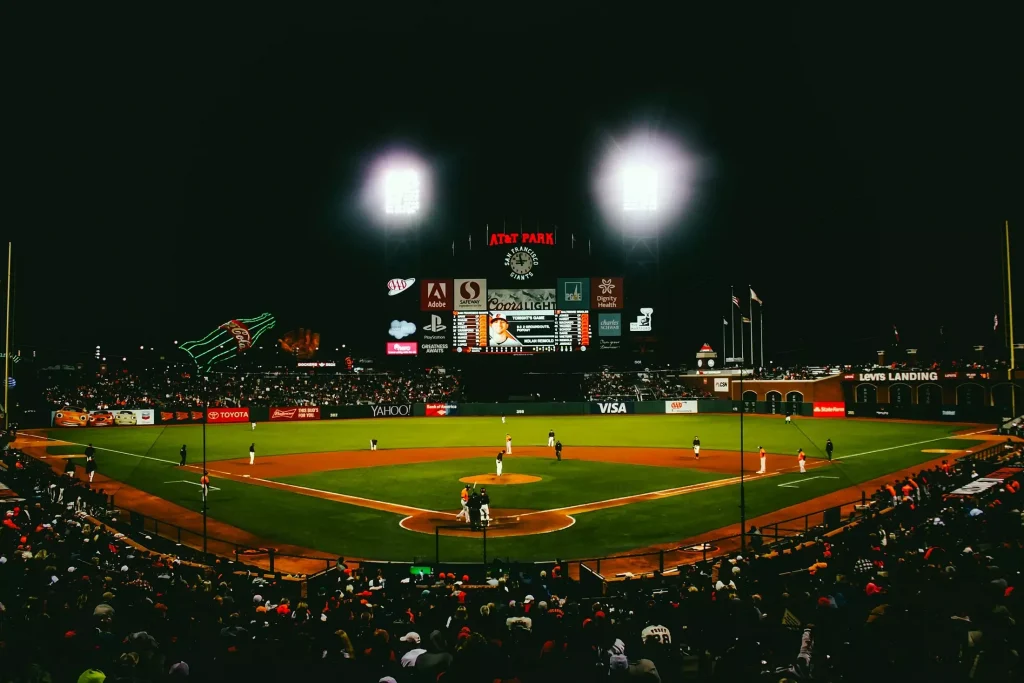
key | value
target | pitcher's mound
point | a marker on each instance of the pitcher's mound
(494, 480)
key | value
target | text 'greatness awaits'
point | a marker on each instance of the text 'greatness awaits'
(502, 239)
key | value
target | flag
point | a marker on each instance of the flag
(995, 323)
(753, 295)
(896, 332)
(736, 300)
(789, 619)
(744, 318)
(724, 321)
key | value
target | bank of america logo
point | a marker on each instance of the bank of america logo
(435, 324)
(574, 291)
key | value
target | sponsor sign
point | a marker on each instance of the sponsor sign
(829, 409)
(643, 321)
(316, 364)
(435, 335)
(521, 261)
(401, 329)
(436, 295)
(898, 376)
(224, 415)
(503, 239)
(433, 348)
(441, 409)
(1002, 474)
(609, 344)
(521, 300)
(573, 293)
(392, 411)
(606, 293)
(680, 407)
(295, 413)
(470, 295)
(609, 324)
(974, 488)
(76, 417)
(611, 408)
(402, 348)
(398, 285)
(722, 385)
(180, 416)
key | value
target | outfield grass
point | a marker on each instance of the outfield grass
(144, 457)
(435, 485)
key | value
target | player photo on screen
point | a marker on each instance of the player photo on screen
(498, 332)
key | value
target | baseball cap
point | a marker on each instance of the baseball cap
(410, 637)
(92, 676)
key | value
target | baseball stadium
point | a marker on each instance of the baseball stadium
(436, 349)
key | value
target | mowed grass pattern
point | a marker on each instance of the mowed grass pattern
(436, 486)
(877, 448)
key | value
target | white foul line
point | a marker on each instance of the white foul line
(907, 445)
(793, 484)
(193, 483)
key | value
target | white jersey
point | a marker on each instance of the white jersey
(658, 634)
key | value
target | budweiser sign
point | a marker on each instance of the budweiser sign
(240, 332)
(295, 413)
(222, 415)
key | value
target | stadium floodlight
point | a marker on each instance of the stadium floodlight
(643, 181)
(401, 192)
(639, 188)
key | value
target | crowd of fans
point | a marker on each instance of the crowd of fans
(175, 386)
(922, 591)
(648, 385)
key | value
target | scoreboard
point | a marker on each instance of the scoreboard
(520, 331)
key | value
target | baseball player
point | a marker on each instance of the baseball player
(464, 502)
(90, 467)
(252, 453)
(89, 452)
(696, 448)
(789, 419)
(801, 457)
(508, 444)
(828, 449)
(558, 450)
(373, 444)
(485, 507)
(498, 461)
(183, 453)
(551, 437)
(204, 481)
(503, 418)
(254, 425)
(764, 459)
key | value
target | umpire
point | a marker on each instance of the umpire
(558, 450)
(828, 449)
(474, 510)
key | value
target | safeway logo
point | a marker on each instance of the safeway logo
(610, 408)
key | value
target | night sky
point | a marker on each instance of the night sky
(165, 174)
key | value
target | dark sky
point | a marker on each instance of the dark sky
(166, 173)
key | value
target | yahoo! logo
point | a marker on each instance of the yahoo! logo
(392, 411)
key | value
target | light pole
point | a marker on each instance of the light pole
(206, 415)
(743, 493)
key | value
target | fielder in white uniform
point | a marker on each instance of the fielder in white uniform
(551, 438)
(497, 462)
(789, 419)
(696, 448)
(508, 444)
(252, 454)
(764, 460)
(503, 418)
(254, 426)
(485, 507)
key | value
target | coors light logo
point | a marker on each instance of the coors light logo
(240, 332)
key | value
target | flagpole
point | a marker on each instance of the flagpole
(751, 301)
(723, 341)
(1009, 298)
(732, 319)
(743, 351)
(7, 339)
(761, 308)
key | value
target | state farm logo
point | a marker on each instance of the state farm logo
(278, 414)
(829, 408)
(240, 332)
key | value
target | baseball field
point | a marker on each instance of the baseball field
(624, 483)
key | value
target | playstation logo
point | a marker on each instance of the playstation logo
(435, 324)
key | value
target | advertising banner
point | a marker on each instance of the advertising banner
(470, 295)
(643, 321)
(609, 324)
(442, 409)
(295, 413)
(573, 293)
(77, 417)
(392, 411)
(606, 294)
(722, 385)
(435, 332)
(611, 408)
(436, 295)
(680, 407)
(180, 416)
(521, 300)
(829, 409)
(225, 415)
(402, 348)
